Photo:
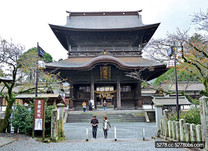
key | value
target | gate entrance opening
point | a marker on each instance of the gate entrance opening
(105, 93)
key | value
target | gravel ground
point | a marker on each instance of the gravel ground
(129, 139)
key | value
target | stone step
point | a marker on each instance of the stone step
(114, 121)
(113, 117)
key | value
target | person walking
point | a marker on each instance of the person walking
(106, 126)
(105, 105)
(94, 123)
(84, 106)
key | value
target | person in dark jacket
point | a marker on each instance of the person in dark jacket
(94, 123)
(106, 126)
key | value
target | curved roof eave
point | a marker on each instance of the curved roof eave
(104, 29)
(103, 59)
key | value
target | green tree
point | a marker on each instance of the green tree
(1, 73)
(47, 57)
(169, 76)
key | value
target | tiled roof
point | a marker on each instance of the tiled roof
(184, 86)
(104, 20)
(169, 101)
(123, 62)
(25, 96)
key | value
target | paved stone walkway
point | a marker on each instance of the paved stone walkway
(125, 131)
(5, 140)
(129, 139)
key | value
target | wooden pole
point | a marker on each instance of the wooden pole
(176, 83)
(43, 137)
(36, 84)
(33, 130)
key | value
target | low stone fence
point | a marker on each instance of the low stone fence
(180, 131)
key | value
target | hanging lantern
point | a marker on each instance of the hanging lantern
(41, 64)
(170, 63)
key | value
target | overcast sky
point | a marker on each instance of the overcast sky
(26, 21)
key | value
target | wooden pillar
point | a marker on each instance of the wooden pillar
(115, 101)
(92, 89)
(92, 93)
(71, 104)
(139, 93)
(118, 95)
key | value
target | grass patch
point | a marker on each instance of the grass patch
(48, 139)
(138, 114)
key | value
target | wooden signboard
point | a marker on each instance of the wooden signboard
(39, 114)
(105, 72)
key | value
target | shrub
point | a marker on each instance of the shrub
(48, 111)
(190, 116)
(22, 119)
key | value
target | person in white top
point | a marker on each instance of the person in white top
(106, 126)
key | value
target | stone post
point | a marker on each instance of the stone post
(187, 132)
(60, 108)
(158, 117)
(161, 127)
(169, 129)
(173, 130)
(198, 133)
(181, 125)
(177, 130)
(204, 119)
(193, 132)
(54, 123)
(165, 112)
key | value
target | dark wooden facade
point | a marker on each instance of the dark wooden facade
(84, 83)
(102, 47)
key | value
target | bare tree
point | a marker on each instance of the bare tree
(201, 19)
(9, 58)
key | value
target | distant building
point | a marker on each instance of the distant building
(190, 88)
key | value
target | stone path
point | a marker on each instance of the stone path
(129, 139)
(5, 140)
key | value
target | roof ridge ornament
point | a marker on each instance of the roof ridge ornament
(69, 13)
(139, 12)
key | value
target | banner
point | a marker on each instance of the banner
(41, 52)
